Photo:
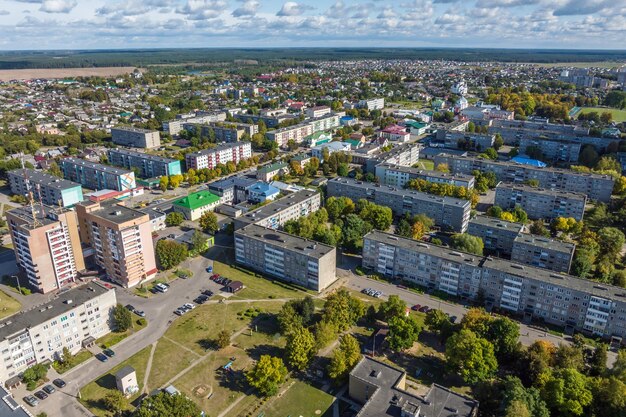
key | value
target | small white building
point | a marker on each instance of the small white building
(126, 381)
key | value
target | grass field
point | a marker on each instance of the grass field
(169, 360)
(8, 305)
(426, 164)
(79, 358)
(114, 338)
(618, 115)
(301, 400)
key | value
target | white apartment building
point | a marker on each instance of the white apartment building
(372, 104)
(317, 111)
(73, 319)
(221, 154)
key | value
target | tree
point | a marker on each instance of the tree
(175, 180)
(267, 375)
(609, 397)
(53, 169)
(34, 374)
(566, 392)
(498, 142)
(470, 356)
(199, 242)
(379, 217)
(344, 358)
(437, 321)
(324, 334)
(611, 241)
(67, 359)
(342, 310)
(490, 153)
(404, 229)
(174, 219)
(598, 360)
(116, 402)
(354, 228)
(164, 404)
(503, 333)
(619, 366)
(393, 307)
(442, 168)
(403, 332)
(208, 222)
(288, 319)
(516, 399)
(164, 182)
(418, 230)
(299, 348)
(537, 227)
(170, 253)
(467, 243)
(569, 356)
(537, 360)
(343, 170)
(223, 339)
(122, 318)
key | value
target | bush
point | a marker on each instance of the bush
(141, 322)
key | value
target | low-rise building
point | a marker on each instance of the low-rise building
(290, 258)
(399, 176)
(126, 381)
(301, 159)
(497, 235)
(372, 104)
(196, 204)
(97, 176)
(268, 172)
(148, 166)
(48, 189)
(543, 252)
(331, 147)
(262, 192)
(157, 218)
(540, 203)
(317, 111)
(233, 190)
(221, 154)
(395, 133)
(280, 211)
(135, 138)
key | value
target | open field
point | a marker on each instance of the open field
(114, 338)
(29, 74)
(300, 400)
(79, 358)
(618, 115)
(170, 360)
(8, 305)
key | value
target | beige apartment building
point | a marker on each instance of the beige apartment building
(47, 245)
(121, 238)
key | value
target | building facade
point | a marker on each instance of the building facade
(497, 235)
(149, 166)
(97, 176)
(405, 155)
(543, 252)
(136, 138)
(46, 188)
(399, 176)
(551, 150)
(47, 246)
(275, 214)
(221, 154)
(290, 258)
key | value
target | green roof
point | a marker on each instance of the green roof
(415, 124)
(197, 200)
(272, 167)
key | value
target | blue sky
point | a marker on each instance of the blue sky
(73, 24)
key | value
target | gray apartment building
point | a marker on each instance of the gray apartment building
(97, 176)
(287, 257)
(497, 235)
(447, 212)
(275, 214)
(51, 190)
(551, 150)
(543, 252)
(149, 166)
(595, 186)
(398, 176)
(229, 131)
(233, 190)
(540, 203)
(135, 138)
(175, 126)
(464, 140)
(406, 155)
(534, 293)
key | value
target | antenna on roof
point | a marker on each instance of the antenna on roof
(29, 192)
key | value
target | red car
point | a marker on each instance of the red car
(416, 307)
(214, 277)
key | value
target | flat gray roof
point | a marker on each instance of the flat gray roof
(279, 205)
(114, 211)
(425, 172)
(545, 242)
(289, 242)
(142, 155)
(132, 129)
(62, 303)
(95, 166)
(44, 179)
(234, 181)
(496, 223)
(43, 213)
(544, 191)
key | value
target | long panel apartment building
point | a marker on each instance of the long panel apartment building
(149, 166)
(595, 186)
(98, 176)
(534, 293)
(543, 252)
(275, 214)
(225, 131)
(540, 203)
(405, 155)
(72, 320)
(298, 132)
(399, 176)
(48, 189)
(497, 235)
(221, 154)
(551, 150)
(290, 258)
(121, 238)
(447, 212)
(175, 126)
(136, 138)
(47, 246)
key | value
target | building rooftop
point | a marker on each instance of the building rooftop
(132, 129)
(218, 148)
(271, 167)
(234, 181)
(9, 407)
(152, 212)
(425, 172)
(114, 211)
(197, 200)
(44, 179)
(124, 372)
(545, 191)
(293, 243)
(264, 188)
(143, 155)
(496, 223)
(95, 166)
(60, 304)
(277, 206)
(43, 214)
(546, 243)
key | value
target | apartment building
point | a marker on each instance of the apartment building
(399, 176)
(595, 186)
(464, 140)
(527, 291)
(551, 150)
(406, 155)
(268, 172)
(47, 246)
(46, 188)
(174, 127)
(497, 235)
(135, 138)
(543, 252)
(229, 131)
(97, 176)
(298, 132)
(121, 238)
(372, 104)
(317, 111)
(540, 203)
(149, 166)
(290, 258)
(275, 214)
(447, 212)
(232, 190)
(72, 319)
(221, 154)
(395, 133)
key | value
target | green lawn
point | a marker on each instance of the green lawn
(93, 393)
(8, 305)
(79, 358)
(169, 360)
(426, 164)
(618, 115)
(300, 400)
(114, 338)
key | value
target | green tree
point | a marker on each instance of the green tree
(467, 243)
(325, 333)
(393, 307)
(208, 222)
(537, 227)
(164, 404)
(288, 319)
(598, 360)
(300, 347)
(403, 332)
(223, 339)
(342, 310)
(34, 374)
(516, 397)
(611, 241)
(609, 397)
(344, 358)
(267, 375)
(503, 333)
(470, 356)
(537, 360)
(619, 366)
(164, 182)
(53, 169)
(170, 253)
(566, 392)
(379, 217)
(498, 142)
(404, 229)
(122, 318)
(199, 242)
(116, 402)
(174, 219)
(438, 322)
(343, 170)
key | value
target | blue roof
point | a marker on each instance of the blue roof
(524, 160)
(264, 188)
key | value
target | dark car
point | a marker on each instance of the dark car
(201, 299)
(140, 313)
(208, 293)
(424, 309)
(49, 389)
(41, 395)
(59, 383)
(102, 357)
(30, 400)
(109, 352)
(453, 319)
(130, 307)
(416, 307)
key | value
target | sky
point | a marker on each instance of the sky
(115, 24)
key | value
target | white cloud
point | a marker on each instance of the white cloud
(57, 6)
(291, 8)
(203, 9)
(248, 8)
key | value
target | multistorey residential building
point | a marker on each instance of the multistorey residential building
(535, 293)
(233, 190)
(298, 132)
(97, 176)
(121, 238)
(464, 140)
(372, 104)
(540, 203)
(72, 319)
(174, 127)
(290, 258)
(447, 212)
(406, 155)
(44, 187)
(497, 235)
(149, 166)
(399, 176)
(47, 245)
(595, 186)
(221, 154)
(275, 214)
(229, 131)
(135, 138)
(317, 111)
(551, 150)
(543, 252)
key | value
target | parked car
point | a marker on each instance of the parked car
(453, 319)
(49, 389)
(424, 309)
(109, 352)
(190, 306)
(161, 288)
(140, 313)
(41, 395)
(59, 383)
(416, 307)
(201, 299)
(208, 293)
(102, 357)
(130, 308)
(209, 269)
(31, 400)
(214, 277)
(179, 311)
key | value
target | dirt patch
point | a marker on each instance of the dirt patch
(49, 73)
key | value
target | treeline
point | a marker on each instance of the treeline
(446, 190)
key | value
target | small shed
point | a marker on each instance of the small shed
(234, 287)
(126, 381)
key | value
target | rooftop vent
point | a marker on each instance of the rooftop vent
(68, 301)
(375, 373)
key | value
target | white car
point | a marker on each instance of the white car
(189, 306)
(161, 288)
